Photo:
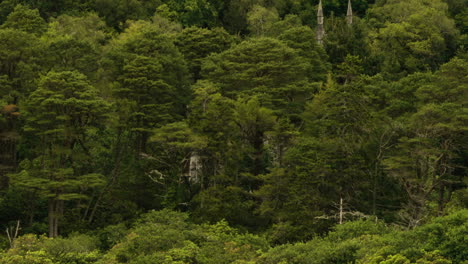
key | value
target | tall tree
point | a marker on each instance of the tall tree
(197, 43)
(302, 39)
(25, 19)
(265, 67)
(152, 78)
(19, 55)
(61, 115)
(429, 158)
(260, 20)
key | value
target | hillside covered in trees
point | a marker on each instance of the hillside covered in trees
(236, 131)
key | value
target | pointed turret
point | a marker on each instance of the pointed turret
(349, 14)
(320, 29)
(320, 14)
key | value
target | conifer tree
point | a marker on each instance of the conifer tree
(61, 115)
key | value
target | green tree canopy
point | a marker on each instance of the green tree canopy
(25, 19)
(265, 67)
(62, 114)
(412, 35)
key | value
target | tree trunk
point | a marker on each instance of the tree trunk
(441, 200)
(51, 215)
(341, 211)
(374, 187)
(258, 156)
(55, 211)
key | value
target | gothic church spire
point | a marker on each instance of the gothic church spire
(349, 14)
(320, 29)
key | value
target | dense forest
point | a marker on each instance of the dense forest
(235, 131)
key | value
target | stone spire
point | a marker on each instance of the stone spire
(320, 29)
(349, 14)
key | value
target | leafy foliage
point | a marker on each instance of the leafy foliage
(208, 131)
